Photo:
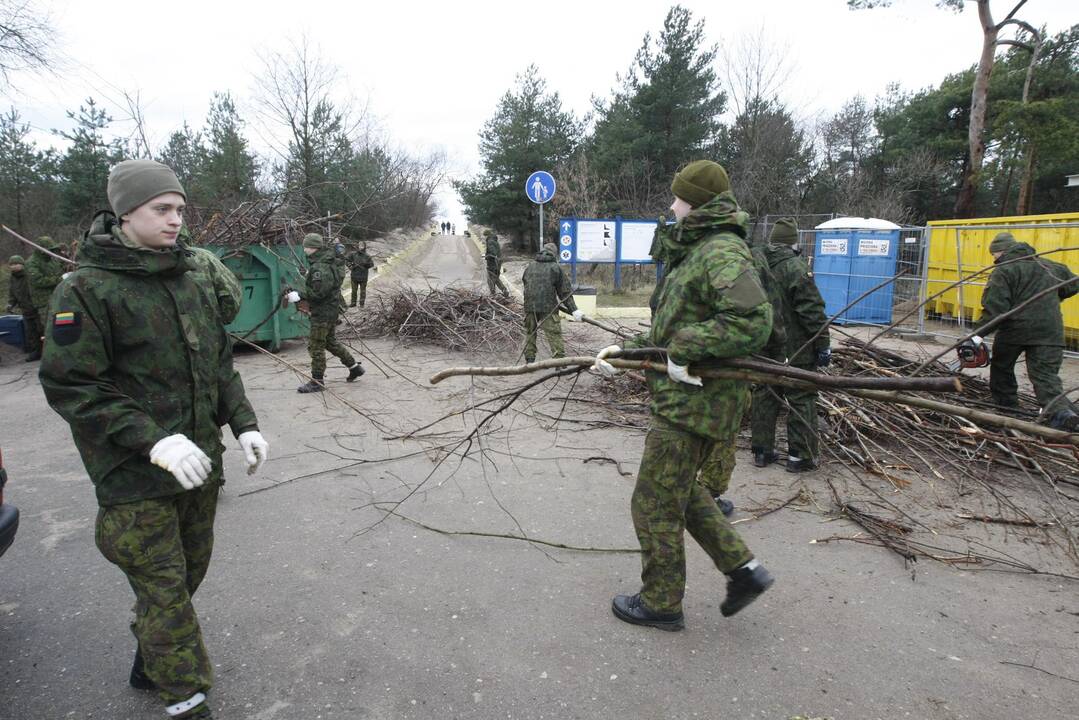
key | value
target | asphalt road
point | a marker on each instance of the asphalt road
(319, 605)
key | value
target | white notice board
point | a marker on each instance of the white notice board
(637, 241)
(595, 241)
(871, 247)
(833, 246)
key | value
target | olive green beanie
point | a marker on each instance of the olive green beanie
(700, 181)
(47, 242)
(785, 232)
(16, 260)
(135, 182)
(1001, 242)
(313, 240)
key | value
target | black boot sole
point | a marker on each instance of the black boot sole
(745, 598)
(666, 625)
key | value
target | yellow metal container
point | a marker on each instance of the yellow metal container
(960, 248)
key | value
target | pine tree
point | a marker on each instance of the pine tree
(230, 168)
(21, 166)
(84, 167)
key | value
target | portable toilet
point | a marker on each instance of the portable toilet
(852, 256)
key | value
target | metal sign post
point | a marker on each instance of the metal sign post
(539, 188)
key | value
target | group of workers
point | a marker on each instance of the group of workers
(139, 364)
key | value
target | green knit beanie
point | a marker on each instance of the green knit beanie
(135, 182)
(313, 240)
(47, 242)
(16, 260)
(785, 232)
(700, 181)
(1001, 242)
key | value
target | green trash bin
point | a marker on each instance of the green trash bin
(264, 274)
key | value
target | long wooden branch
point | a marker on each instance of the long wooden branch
(753, 371)
(35, 246)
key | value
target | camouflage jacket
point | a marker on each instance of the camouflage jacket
(136, 352)
(225, 284)
(801, 309)
(322, 290)
(44, 273)
(1039, 323)
(360, 263)
(18, 294)
(546, 286)
(711, 306)
(493, 255)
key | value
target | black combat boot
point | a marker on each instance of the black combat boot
(312, 385)
(725, 506)
(33, 357)
(629, 608)
(797, 465)
(138, 679)
(1065, 420)
(744, 585)
(763, 458)
(354, 372)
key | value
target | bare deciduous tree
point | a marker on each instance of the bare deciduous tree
(26, 38)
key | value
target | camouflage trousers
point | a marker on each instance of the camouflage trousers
(668, 501)
(802, 440)
(552, 330)
(321, 339)
(494, 282)
(360, 285)
(34, 329)
(1043, 369)
(164, 547)
(715, 474)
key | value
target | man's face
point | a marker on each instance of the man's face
(680, 208)
(17, 267)
(309, 251)
(996, 255)
(156, 224)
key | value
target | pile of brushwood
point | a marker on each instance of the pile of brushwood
(454, 318)
(925, 482)
(257, 222)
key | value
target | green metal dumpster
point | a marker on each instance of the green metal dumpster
(264, 275)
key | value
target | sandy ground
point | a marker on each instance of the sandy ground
(318, 605)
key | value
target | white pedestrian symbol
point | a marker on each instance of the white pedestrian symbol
(539, 190)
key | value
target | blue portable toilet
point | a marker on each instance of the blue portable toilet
(851, 256)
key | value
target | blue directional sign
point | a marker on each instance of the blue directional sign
(540, 187)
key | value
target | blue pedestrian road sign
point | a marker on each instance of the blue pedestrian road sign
(540, 187)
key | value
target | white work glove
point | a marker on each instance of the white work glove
(255, 449)
(64, 276)
(577, 316)
(977, 340)
(293, 297)
(601, 363)
(181, 457)
(681, 374)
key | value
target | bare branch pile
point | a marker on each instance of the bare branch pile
(455, 318)
(257, 222)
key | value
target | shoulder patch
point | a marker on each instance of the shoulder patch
(746, 292)
(66, 327)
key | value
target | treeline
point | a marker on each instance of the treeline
(326, 160)
(901, 157)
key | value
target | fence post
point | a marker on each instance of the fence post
(617, 252)
(960, 306)
(923, 294)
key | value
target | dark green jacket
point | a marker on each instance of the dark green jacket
(135, 352)
(1011, 284)
(711, 306)
(801, 312)
(322, 290)
(18, 294)
(226, 285)
(44, 273)
(493, 255)
(547, 286)
(360, 263)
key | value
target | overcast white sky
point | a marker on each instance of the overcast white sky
(433, 71)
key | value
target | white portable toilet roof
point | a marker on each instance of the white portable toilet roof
(857, 223)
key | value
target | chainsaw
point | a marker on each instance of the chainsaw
(972, 353)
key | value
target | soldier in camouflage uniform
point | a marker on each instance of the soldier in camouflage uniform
(322, 291)
(360, 264)
(711, 307)
(1037, 330)
(547, 289)
(43, 273)
(802, 315)
(493, 257)
(226, 285)
(19, 296)
(139, 365)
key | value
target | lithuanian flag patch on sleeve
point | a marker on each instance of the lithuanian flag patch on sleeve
(66, 327)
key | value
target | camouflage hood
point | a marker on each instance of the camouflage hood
(545, 255)
(776, 254)
(720, 214)
(105, 246)
(1014, 252)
